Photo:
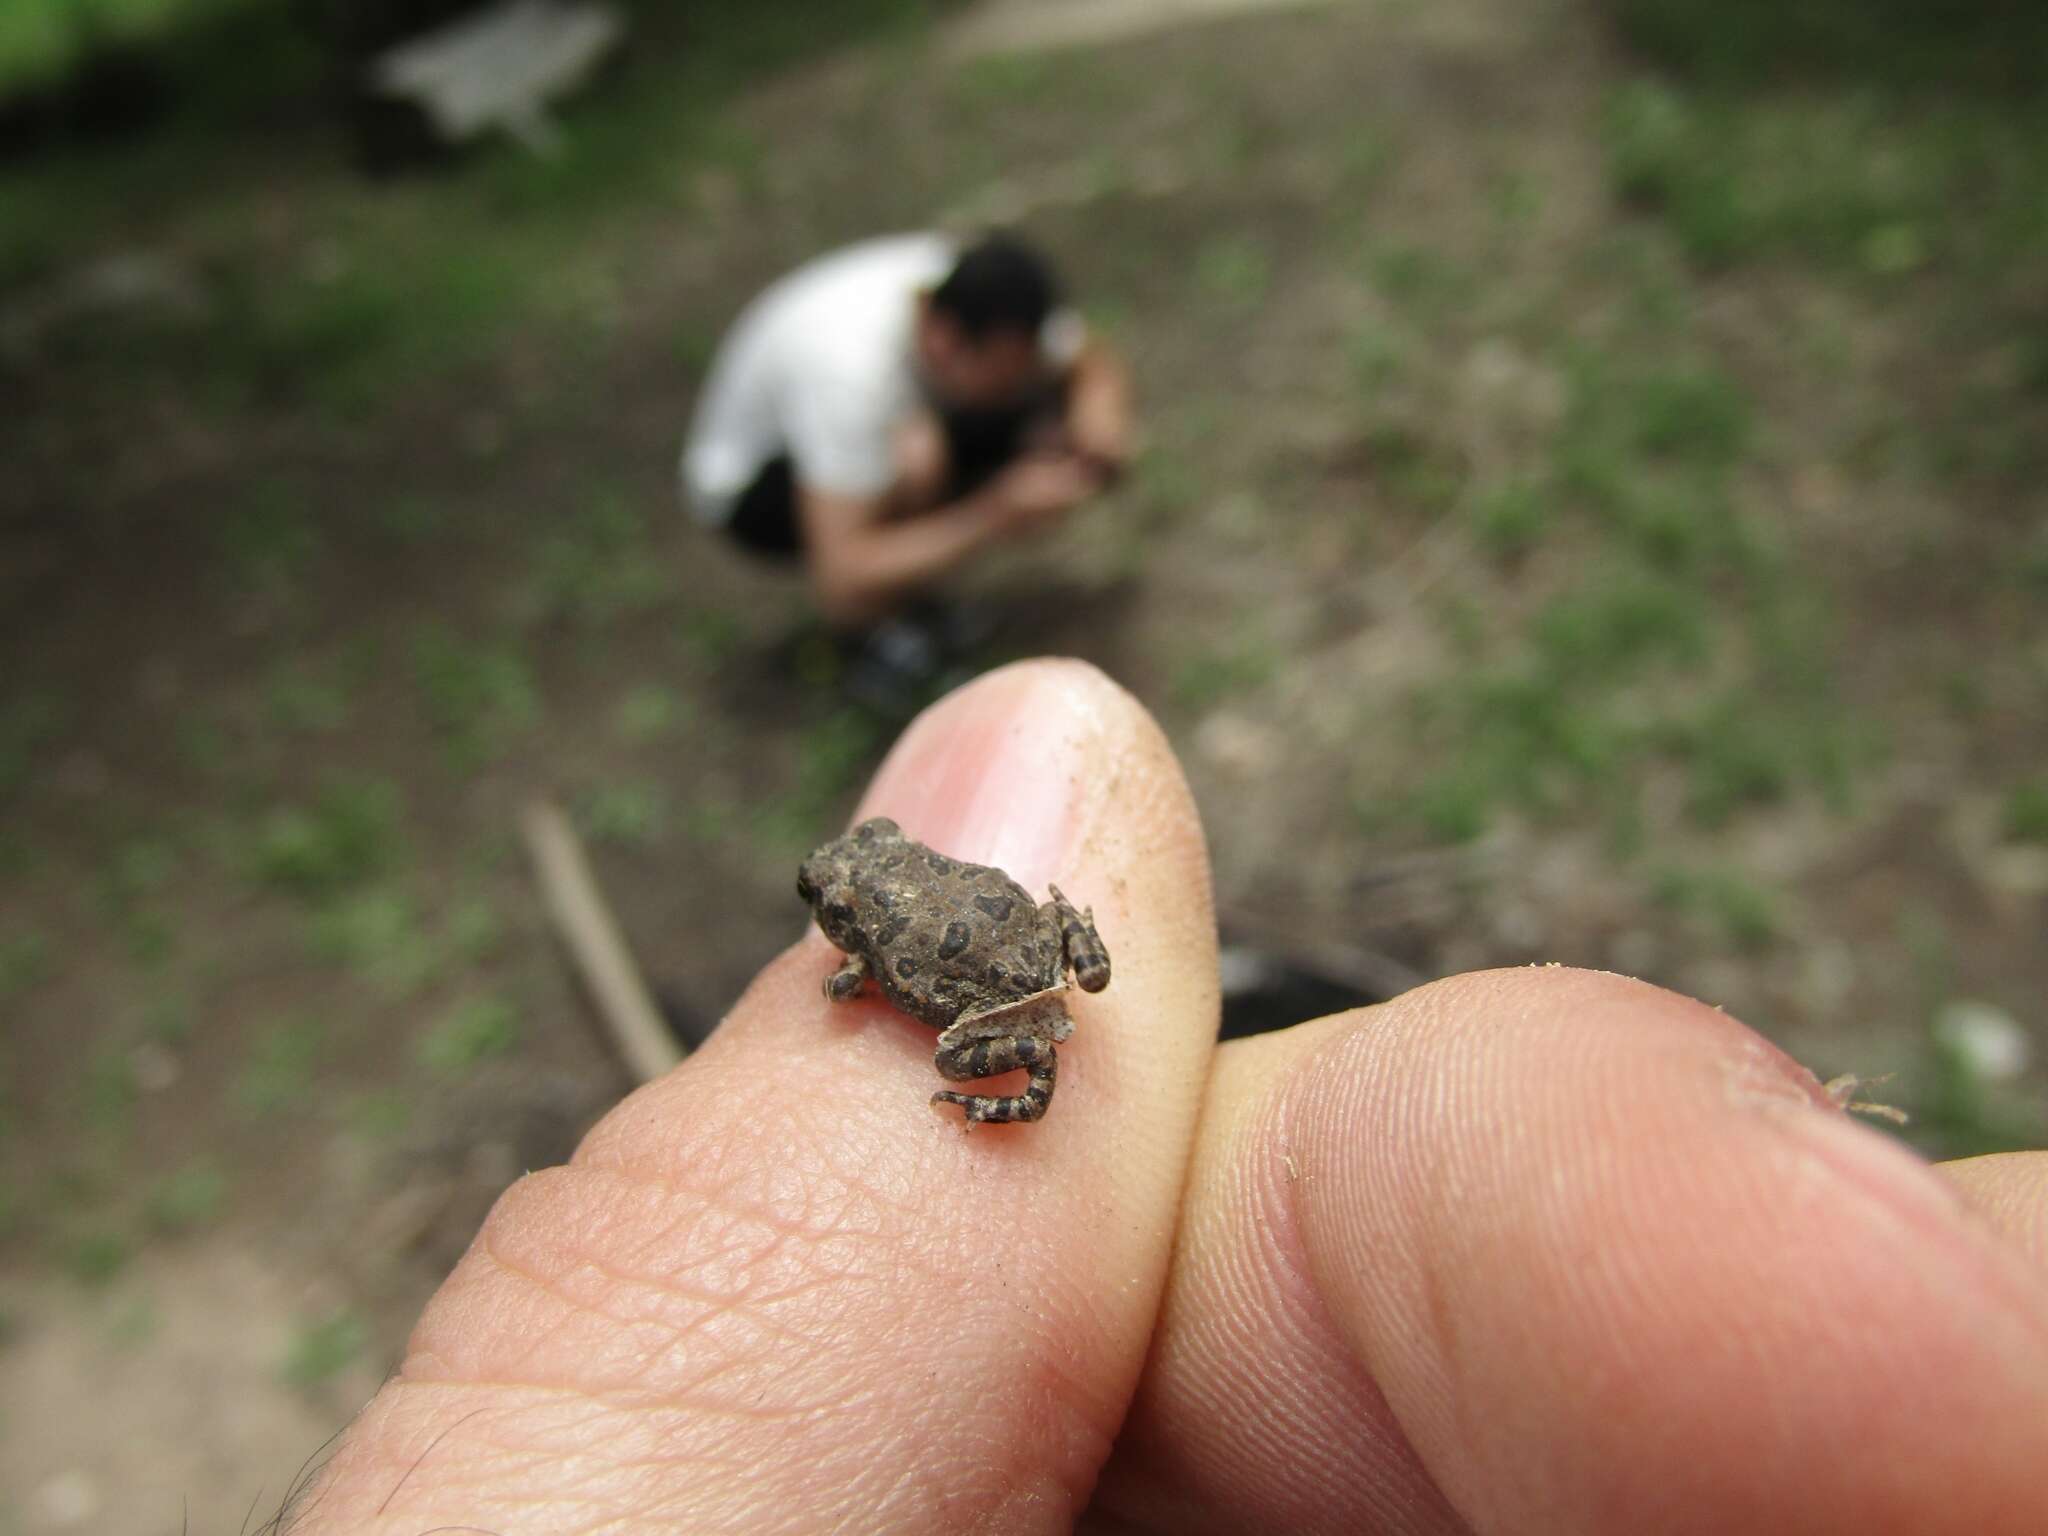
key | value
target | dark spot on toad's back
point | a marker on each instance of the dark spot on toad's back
(997, 907)
(906, 967)
(954, 941)
(892, 931)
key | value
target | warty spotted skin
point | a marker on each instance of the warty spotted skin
(961, 947)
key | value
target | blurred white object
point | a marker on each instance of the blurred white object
(1988, 1040)
(499, 67)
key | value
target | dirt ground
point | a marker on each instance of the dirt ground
(282, 1014)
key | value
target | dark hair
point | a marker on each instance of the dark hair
(998, 284)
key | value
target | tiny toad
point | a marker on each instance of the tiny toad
(960, 946)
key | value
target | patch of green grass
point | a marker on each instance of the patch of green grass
(473, 930)
(1615, 626)
(412, 519)
(94, 1258)
(299, 701)
(635, 814)
(379, 934)
(1859, 181)
(1416, 468)
(1512, 516)
(1203, 681)
(476, 1031)
(1455, 805)
(41, 39)
(28, 724)
(323, 1347)
(1419, 277)
(282, 1066)
(595, 566)
(1985, 44)
(185, 1200)
(649, 712)
(478, 697)
(1742, 912)
(108, 1093)
(2025, 816)
(267, 540)
(1234, 269)
(1378, 358)
(168, 1017)
(24, 962)
(833, 755)
(381, 1116)
(349, 834)
(1959, 1111)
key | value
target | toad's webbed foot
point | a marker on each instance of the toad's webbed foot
(1083, 945)
(971, 1059)
(843, 984)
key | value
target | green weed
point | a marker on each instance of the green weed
(1203, 681)
(1512, 517)
(1613, 628)
(650, 712)
(596, 566)
(349, 834)
(1234, 269)
(300, 702)
(381, 1117)
(476, 1031)
(2025, 814)
(24, 962)
(28, 724)
(412, 519)
(474, 930)
(94, 1258)
(323, 1347)
(477, 697)
(185, 1200)
(281, 1068)
(267, 540)
(379, 934)
(1419, 277)
(1745, 914)
(635, 814)
(109, 1091)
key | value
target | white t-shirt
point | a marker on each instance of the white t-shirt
(818, 367)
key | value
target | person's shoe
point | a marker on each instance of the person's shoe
(893, 669)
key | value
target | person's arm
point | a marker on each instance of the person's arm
(1100, 415)
(860, 559)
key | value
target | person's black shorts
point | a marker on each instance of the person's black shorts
(978, 445)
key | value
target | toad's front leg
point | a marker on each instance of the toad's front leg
(971, 1059)
(844, 983)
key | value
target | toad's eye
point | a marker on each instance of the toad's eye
(804, 889)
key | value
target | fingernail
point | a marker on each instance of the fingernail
(1000, 771)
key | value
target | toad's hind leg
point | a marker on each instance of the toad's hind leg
(1083, 945)
(971, 1059)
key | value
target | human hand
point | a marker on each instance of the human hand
(1041, 486)
(1526, 1251)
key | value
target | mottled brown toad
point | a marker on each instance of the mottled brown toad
(960, 946)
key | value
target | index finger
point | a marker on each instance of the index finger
(778, 1290)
